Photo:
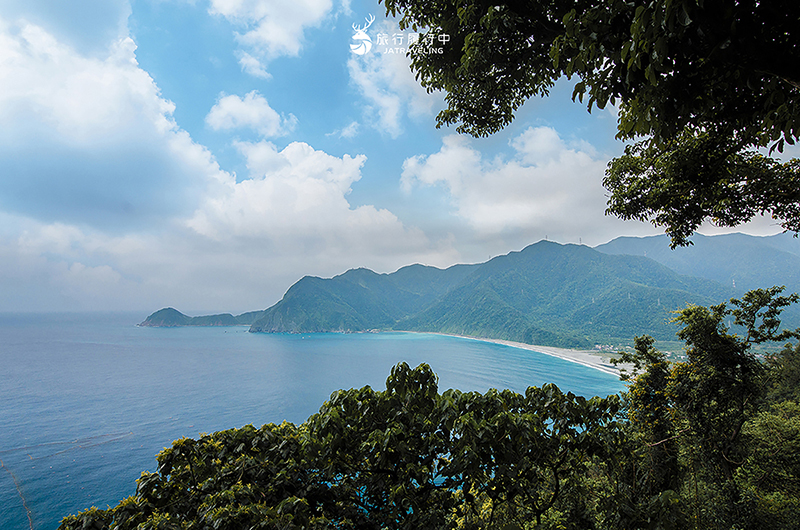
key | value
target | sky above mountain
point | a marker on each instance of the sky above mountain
(207, 154)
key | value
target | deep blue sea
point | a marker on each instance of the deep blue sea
(87, 400)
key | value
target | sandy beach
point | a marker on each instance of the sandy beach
(590, 358)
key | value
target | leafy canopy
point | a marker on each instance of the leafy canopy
(704, 82)
(709, 443)
(715, 436)
(405, 458)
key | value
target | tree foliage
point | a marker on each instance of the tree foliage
(703, 421)
(704, 83)
(709, 443)
(681, 182)
(408, 457)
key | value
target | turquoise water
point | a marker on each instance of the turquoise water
(88, 400)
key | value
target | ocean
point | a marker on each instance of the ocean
(88, 400)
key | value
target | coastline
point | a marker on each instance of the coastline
(588, 358)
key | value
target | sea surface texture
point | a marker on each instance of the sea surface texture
(88, 400)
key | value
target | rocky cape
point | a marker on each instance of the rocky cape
(170, 318)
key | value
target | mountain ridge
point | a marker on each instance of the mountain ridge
(547, 293)
(564, 295)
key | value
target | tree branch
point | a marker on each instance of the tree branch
(670, 438)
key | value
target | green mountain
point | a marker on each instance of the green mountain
(741, 261)
(564, 295)
(359, 299)
(169, 317)
(549, 294)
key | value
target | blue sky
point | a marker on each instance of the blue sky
(206, 154)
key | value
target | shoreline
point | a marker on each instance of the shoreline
(588, 358)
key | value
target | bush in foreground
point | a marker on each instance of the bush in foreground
(708, 443)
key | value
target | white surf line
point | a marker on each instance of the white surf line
(544, 350)
(547, 350)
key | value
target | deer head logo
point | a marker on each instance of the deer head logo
(362, 43)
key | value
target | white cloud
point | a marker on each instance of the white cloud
(546, 188)
(252, 66)
(297, 198)
(86, 26)
(58, 267)
(387, 83)
(91, 140)
(107, 204)
(349, 131)
(272, 28)
(84, 99)
(252, 111)
(240, 251)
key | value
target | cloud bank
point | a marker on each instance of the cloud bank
(107, 203)
(90, 140)
(547, 187)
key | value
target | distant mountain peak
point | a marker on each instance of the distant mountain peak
(171, 317)
(563, 295)
(167, 317)
(750, 261)
(546, 293)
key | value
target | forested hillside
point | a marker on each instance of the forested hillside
(549, 294)
(564, 295)
(740, 261)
